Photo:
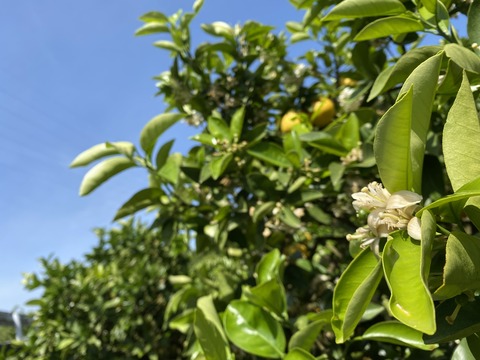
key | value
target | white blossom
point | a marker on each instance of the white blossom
(387, 213)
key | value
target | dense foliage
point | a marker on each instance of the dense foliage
(248, 256)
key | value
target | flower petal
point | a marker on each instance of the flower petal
(402, 199)
(414, 228)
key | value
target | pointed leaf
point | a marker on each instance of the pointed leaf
(236, 125)
(269, 266)
(209, 330)
(473, 22)
(392, 25)
(299, 354)
(461, 272)
(156, 127)
(352, 9)
(219, 128)
(410, 301)
(271, 296)
(270, 153)
(171, 170)
(392, 145)
(220, 164)
(103, 150)
(103, 171)
(254, 330)
(142, 199)
(305, 337)
(167, 45)
(262, 210)
(396, 333)
(163, 153)
(463, 57)
(152, 28)
(461, 138)
(462, 352)
(354, 292)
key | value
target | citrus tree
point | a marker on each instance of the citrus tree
(330, 207)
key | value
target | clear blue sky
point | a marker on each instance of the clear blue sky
(73, 75)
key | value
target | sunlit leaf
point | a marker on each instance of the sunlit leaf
(156, 127)
(270, 153)
(103, 171)
(141, 200)
(269, 267)
(461, 138)
(352, 9)
(473, 22)
(254, 330)
(299, 354)
(354, 292)
(388, 26)
(410, 300)
(397, 333)
(463, 57)
(103, 150)
(220, 164)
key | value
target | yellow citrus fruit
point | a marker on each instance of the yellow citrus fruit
(323, 112)
(289, 120)
(348, 82)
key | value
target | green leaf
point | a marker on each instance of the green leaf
(442, 17)
(219, 28)
(262, 210)
(204, 138)
(271, 296)
(65, 343)
(399, 72)
(219, 128)
(209, 330)
(103, 171)
(289, 218)
(163, 153)
(325, 142)
(269, 266)
(467, 321)
(156, 127)
(396, 333)
(152, 28)
(461, 272)
(254, 330)
(270, 153)
(474, 344)
(299, 354)
(463, 57)
(103, 150)
(392, 145)
(410, 301)
(305, 338)
(353, 293)
(154, 16)
(462, 352)
(392, 25)
(142, 199)
(171, 170)
(183, 321)
(352, 9)
(167, 45)
(473, 22)
(424, 80)
(472, 209)
(220, 164)
(461, 138)
(236, 125)
(197, 5)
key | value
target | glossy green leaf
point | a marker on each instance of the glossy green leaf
(461, 138)
(197, 5)
(392, 145)
(236, 125)
(220, 164)
(154, 16)
(397, 333)
(392, 25)
(204, 138)
(466, 323)
(103, 171)
(167, 45)
(473, 22)
(472, 209)
(183, 321)
(219, 128)
(325, 142)
(372, 311)
(163, 153)
(289, 218)
(156, 127)
(219, 28)
(171, 170)
(463, 57)
(461, 272)
(399, 72)
(442, 17)
(271, 296)
(428, 231)
(305, 338)
(103, 150)
(462, 352)
(354, 292)
(209, 330)
(152, 28)
(270, 153)
(299, 354)
(319, 215)
(352, 9)
(452, 80)
(142, 199)
(269, 267)
(424, 81)
(262, 210)
(254, 330)
(410, 300)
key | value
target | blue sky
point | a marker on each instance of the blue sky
(72, 75)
